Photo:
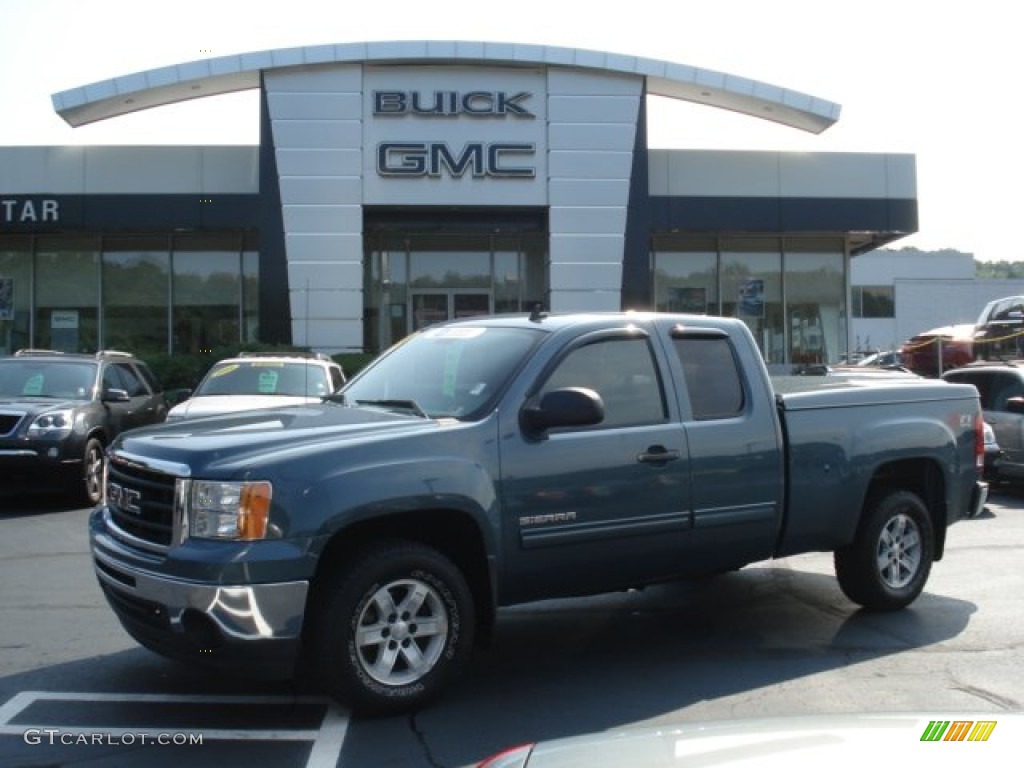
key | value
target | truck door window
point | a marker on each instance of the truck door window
(712, 375)
(622, 372)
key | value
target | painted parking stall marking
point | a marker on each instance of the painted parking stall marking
(301, 724)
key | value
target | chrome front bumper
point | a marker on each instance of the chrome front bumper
(254, 626)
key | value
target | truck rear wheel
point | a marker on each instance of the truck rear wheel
(887, 565)
(395, 626)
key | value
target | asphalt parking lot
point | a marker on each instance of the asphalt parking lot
(774, 639)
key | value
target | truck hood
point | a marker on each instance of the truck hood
(234, 442)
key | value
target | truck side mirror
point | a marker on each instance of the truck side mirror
(569, 407)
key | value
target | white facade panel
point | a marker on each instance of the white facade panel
(586, 301)
(230, 170)
(832, 175)
(591, 165)
(331, 336)
(318, 134)
(580, 260)
(320, 162)
(599, 192)
(345, 277)
(307, 246)
(698, 173)
(322, 219)
(901, 176)
(315, 190)
(609, 109)
(315, 106)
(589, 220)
(46, 170)
(590, 136)
(587, 248)
(169, 170)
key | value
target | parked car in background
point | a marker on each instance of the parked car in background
(999, 332)
(1001, 391)
(260, 381)
(892, 358)
(59, 411)
(920, 353)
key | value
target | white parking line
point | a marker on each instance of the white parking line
(328, 740)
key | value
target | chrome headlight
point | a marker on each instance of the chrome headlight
(52, 425)
(236, 511)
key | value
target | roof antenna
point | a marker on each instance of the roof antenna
(537, 313)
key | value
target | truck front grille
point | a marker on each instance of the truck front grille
(141, 501)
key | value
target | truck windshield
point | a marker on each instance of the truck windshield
(450, 371)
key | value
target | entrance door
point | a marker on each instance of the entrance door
(429, 307)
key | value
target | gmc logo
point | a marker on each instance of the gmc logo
(422, 158)
(125, 498)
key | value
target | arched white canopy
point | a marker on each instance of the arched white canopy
(227, 74)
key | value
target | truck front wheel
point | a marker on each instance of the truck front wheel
(887, 565)
(395, 626)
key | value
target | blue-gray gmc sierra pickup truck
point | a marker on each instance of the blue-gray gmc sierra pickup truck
(370, 539)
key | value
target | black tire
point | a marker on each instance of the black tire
(400, 660)
(887, 565)
(91, 480)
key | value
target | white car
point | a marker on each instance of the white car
(260, 381)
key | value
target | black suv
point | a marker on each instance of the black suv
(58, 412)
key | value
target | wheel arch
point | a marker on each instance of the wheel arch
(922, 476)
(451, 532)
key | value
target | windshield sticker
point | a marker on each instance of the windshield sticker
(224, 371)
(33, 386)
(267, 365)
(451, 370)
(267, 384)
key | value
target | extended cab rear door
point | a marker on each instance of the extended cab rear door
(736, 449)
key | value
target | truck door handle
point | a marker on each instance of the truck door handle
(657, 454)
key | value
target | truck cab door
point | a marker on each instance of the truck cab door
(736, 448)
(591, 507)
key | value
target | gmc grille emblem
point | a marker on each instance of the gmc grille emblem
(125, 498)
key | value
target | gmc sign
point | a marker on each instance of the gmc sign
(432, 159)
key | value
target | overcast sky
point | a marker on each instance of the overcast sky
(939, 80)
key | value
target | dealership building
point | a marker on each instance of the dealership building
(398, 184)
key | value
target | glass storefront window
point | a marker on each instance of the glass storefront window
(207, 292)
(790, 293)
(815, 290)
(752, 291)
(135, 288)
(15, 293)
(67, 296)
(250, 292)
(411, 280)
(686, 277)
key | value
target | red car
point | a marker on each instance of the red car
(921, 352)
